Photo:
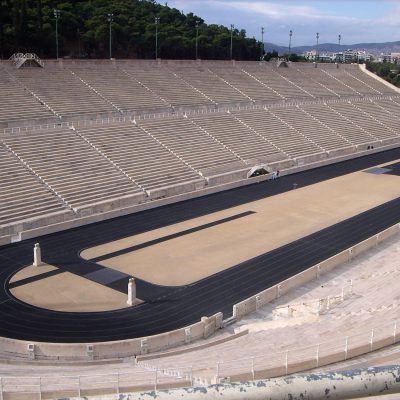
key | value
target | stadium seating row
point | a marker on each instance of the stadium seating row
(74, 91)
(77, 168)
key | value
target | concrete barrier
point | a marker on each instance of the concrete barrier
(57, 352)
(388, 233)
(252, 303)
(227, 177)
(363, 246)
(175, 190)
(342, 152)
(191, 348)
(332, 262)
(245, 307)
(111, 204)
(4, 240)
(311, 158)
(297, 280)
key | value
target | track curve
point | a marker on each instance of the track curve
(168, 308)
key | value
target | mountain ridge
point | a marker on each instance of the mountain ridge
(374, 48)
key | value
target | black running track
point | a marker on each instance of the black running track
(168, 308)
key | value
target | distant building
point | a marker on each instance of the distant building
(322, 57)
(310, 55)
(351, 56)
(395, 58)
(385, 58)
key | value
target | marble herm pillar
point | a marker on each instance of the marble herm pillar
(131, 292)
(37, 255)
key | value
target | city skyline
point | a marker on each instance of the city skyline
(356, 21)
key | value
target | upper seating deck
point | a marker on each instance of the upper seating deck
(168, 86)
(276, 80)
(64, 92)
(306, 114)
(17, 105)
(210, 84)
(376, 86)
(246, 84)
(121, 89)
(91, 89)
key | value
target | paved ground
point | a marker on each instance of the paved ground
(166, 307)
(186, 252)
(64, 291)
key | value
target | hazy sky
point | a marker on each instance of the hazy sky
(357, 21)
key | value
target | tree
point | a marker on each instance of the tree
(29, 25)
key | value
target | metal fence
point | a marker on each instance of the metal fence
(26, 387)
(275, 364)
(304, 358)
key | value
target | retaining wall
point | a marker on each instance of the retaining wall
(251, 304)
(17, 349)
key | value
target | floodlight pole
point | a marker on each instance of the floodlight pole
(157, 22)
(340, 39)
(262, 43)
(290, 41)
(317, 55)
(232, 27)
(57, 14)
(110, 18)
(197, 39)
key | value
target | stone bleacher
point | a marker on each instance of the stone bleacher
(22, 194)
(253, 89)
(121, 89)
(285, 138)
(195, 147)
(63, 92)
(194, 124)
(208, 83)
(387, 118)
(71, 168)
(169, 87)
(365, 121)
(143, 159)
(349, 80)
(306, 82)
(277, 80)
(244, 142)
(376, 86)
(17, 106)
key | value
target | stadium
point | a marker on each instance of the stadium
(177, 224)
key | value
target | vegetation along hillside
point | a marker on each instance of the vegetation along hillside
(388, 71)
(83, 27)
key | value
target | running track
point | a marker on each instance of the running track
(168, 308)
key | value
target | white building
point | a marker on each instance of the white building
(395, 58)
(351, 56)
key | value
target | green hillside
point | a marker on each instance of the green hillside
(29, 26)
